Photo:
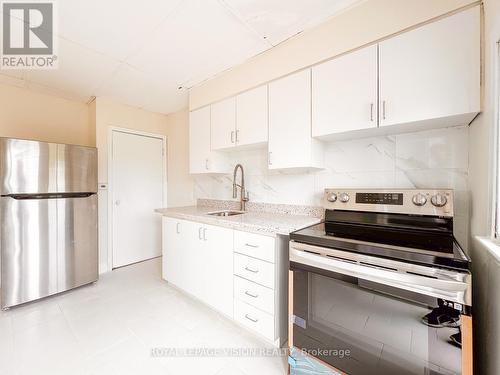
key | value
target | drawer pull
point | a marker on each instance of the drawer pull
(251, 295)
(250, 245)
(251, 270)
(251, 319)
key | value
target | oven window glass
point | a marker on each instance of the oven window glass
(361, 327)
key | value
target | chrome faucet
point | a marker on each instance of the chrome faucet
(243, 193)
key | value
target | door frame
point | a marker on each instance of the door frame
(111, 130)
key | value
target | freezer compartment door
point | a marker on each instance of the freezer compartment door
(77, 241)
(30, 167)
(76, 169)
(28, 242)
(27, 167)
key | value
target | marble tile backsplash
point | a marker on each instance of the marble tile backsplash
(429, 159)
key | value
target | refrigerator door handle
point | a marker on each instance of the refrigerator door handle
(48, 196)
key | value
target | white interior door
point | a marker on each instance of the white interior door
(137, 184)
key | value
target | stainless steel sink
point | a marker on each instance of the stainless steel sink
(226, 213)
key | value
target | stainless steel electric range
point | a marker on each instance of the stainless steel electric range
(382, 285)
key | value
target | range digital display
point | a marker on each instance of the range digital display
(380, 198)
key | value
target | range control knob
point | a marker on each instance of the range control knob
(344, 197)
(419, 199)
(331, 197)
(439, 200)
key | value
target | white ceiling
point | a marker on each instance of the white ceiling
(148, 53)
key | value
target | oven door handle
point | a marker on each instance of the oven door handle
(449, 289)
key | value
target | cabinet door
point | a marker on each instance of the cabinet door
(252, 117)
(224, 124)
(171, 261)
(431, 72)
(344, 93)
(199, 140)
(201, 158)
(290, 121)
(217, 269)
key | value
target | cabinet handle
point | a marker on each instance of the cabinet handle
(383, 109)
(251, 270)
(206, 164)
(251, 295)
(199, 233)
(177, 228)
(204, 234)
(237, 137)
(269, 158)
(371, 112)
(251, 319)
(232, 136)
(250, 245)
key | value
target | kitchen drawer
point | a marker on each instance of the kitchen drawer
(254, 294)
(254, 245)
(254, 319)
(254, 269)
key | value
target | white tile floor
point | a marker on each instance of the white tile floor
(110, 327)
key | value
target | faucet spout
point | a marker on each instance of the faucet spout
(243, 192)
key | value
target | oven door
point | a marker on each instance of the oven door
(363, 315)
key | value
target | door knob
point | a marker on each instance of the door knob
(117, 202)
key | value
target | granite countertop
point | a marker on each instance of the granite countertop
(266, 223)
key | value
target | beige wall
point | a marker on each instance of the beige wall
(31, 115)
(486, 266)
(360, 25)
(175, 126)
(180, 182)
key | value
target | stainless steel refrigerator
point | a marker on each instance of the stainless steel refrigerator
(48, 219)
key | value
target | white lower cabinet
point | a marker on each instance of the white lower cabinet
(176, 251)
(254, 245)
(259, 287)
(255, 319)
(217, 268)
(254, 294)
(240, 274)
(255, 270)
(198, 258)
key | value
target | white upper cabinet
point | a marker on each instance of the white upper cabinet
(290, 142)
(252, 117)
(428, 77)
(344, 93)
(201, 158)
(240, 121)
(224, 124)
(432, 72)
